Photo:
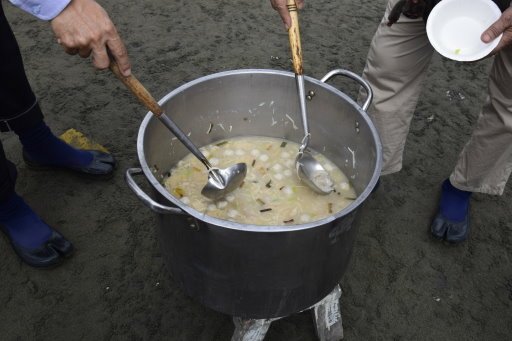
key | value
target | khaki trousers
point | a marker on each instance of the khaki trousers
(396, 68)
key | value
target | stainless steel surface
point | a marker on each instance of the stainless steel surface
(301, 91)
(357, 78)
(221, 181)
(246, 270)
(309, 170)
(146, 199)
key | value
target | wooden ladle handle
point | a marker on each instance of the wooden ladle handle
(137, 89)
(294, 35)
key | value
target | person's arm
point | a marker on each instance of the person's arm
(502, 25)
(82, 27)
(280, 7)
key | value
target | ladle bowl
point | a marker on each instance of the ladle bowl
(222, 181)
(311, 172)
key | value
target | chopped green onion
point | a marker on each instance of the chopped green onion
(283, 144)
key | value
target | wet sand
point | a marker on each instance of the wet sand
(400, 285)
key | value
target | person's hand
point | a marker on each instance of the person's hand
(502, 25)
(84, 27)
(280, 7)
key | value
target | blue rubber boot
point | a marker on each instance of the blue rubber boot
(452, 220)
(36, 243)
(43, 150)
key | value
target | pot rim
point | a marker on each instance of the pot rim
(250, 227)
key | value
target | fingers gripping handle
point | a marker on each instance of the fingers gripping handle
(294, 35)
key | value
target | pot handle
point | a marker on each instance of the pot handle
(357, 78)
(153, 205)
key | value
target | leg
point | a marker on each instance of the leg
(20, 113)
(486, 160)
(33, 240)
(18, 104)
(395, 68)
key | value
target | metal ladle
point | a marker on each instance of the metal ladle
(220, 181)
(308, 168)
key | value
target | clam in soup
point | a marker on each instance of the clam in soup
(271, 193)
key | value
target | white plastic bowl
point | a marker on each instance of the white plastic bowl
(454, 28)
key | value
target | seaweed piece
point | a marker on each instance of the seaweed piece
(283, 144)
(288, 221)
(265, 210)
(268, 184)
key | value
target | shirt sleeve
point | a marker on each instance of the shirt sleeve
(43, 9)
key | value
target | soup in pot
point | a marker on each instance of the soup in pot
(271, 193)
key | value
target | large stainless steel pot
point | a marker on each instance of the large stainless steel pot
(255, 271)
